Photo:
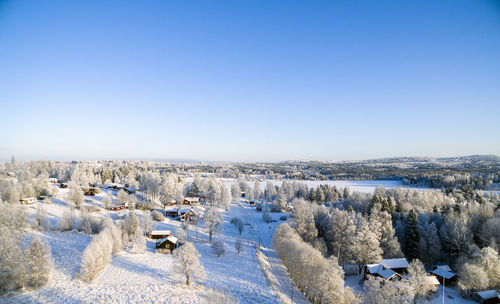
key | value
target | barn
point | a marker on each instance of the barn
(117, 207)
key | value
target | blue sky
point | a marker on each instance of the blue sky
(248, 80)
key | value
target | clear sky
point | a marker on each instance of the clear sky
(248, 80)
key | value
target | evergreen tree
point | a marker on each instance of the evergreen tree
(411, 236)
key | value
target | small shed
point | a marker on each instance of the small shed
(487, 297)
(130, 190)
(169, 243)
(28, 200)
(64, 185)
(159, 234)
(432, 280)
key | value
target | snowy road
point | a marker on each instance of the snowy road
(285, 284)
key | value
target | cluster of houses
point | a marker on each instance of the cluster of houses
(183, 214)
(395, 269)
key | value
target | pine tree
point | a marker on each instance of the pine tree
(411, 236)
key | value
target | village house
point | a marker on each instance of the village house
(169, 243)
(28, 200)
(187, 215)
(91, 191)
(159, 234)
(388, 269)
(53, 180)
(172, 212)
(11, 174)
(191, 200)
(130, 190)
(443, 274)
(117, 207)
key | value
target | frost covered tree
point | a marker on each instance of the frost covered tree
(67, 220)
(489, 260)
(304, 220)
(381, 223)
(340, 232)
(187, 258)
(122, 197)
(131, 223)
(456, 234)
(13, 272)
(76, 195)
(138, 241)
(213, 221)
(417, 279)
(96, 256)
(257, 191)
(107, 200)
(147, 223)
(41, 218)
(429, 244)
(379, 291)
(218, 249)
(39, 263)
(366, 247)
(472, 278)
(226, 197)
(236, 191)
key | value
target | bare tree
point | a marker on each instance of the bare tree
(218, 249)
(213, 221)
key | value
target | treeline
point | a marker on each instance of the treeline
(460, 228)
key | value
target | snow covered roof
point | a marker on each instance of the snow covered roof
(432, 280)
(444, 267)
(171, 210)
(387, 273)
(192, 198)
(395, 263)
(171, 239)
(184, 210)
(379, 269)
(161, 232)
(443, 273)
(28, 199)
(488, 294)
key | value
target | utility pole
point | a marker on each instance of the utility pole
(291, 299)
(443, 288)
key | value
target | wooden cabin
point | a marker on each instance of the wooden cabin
(487, 297)
(387, 268)
(91, 191)
(11, 174)
(28, 200)
(173, 212)
(169, 243)
(443, 273)
(160, 234)
(53, 180)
